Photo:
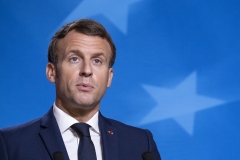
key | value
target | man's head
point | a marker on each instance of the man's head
(81, 56)
(84, 26)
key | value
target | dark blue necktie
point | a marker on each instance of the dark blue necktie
(86, 150)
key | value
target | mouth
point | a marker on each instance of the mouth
(84, 87)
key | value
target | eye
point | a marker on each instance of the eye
(74, 59)
(97, 61)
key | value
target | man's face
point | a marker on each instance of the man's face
(83, 72)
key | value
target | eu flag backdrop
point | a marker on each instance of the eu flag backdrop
(177, 70)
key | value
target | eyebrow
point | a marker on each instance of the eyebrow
(74, 51)
(99, 54)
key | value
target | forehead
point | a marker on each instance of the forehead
(82, 42)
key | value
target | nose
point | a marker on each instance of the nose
(86, 69)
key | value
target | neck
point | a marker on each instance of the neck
(81, 114)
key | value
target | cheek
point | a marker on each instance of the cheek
(104, 80)
(67, 73)
(65, 79)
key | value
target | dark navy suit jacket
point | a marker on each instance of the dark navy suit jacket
(40, 138)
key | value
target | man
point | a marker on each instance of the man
(81, 56)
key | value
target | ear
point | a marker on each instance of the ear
(51, 72)
(110, 76)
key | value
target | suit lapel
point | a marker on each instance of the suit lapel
(109, 139)
(51, 135)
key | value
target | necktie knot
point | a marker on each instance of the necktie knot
(82, 129)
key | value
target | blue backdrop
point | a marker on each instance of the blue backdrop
(177, 71)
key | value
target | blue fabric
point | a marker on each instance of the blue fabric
(40, 138)
(86, 150)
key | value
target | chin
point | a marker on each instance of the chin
(85, 104)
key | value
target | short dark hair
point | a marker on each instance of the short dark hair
(84, 26)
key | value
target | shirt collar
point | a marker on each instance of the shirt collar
(65, 121)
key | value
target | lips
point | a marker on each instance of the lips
(85, 87)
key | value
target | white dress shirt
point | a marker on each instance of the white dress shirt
(70, 137)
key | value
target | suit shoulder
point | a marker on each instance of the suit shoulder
(22, 128)
(123, 126)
